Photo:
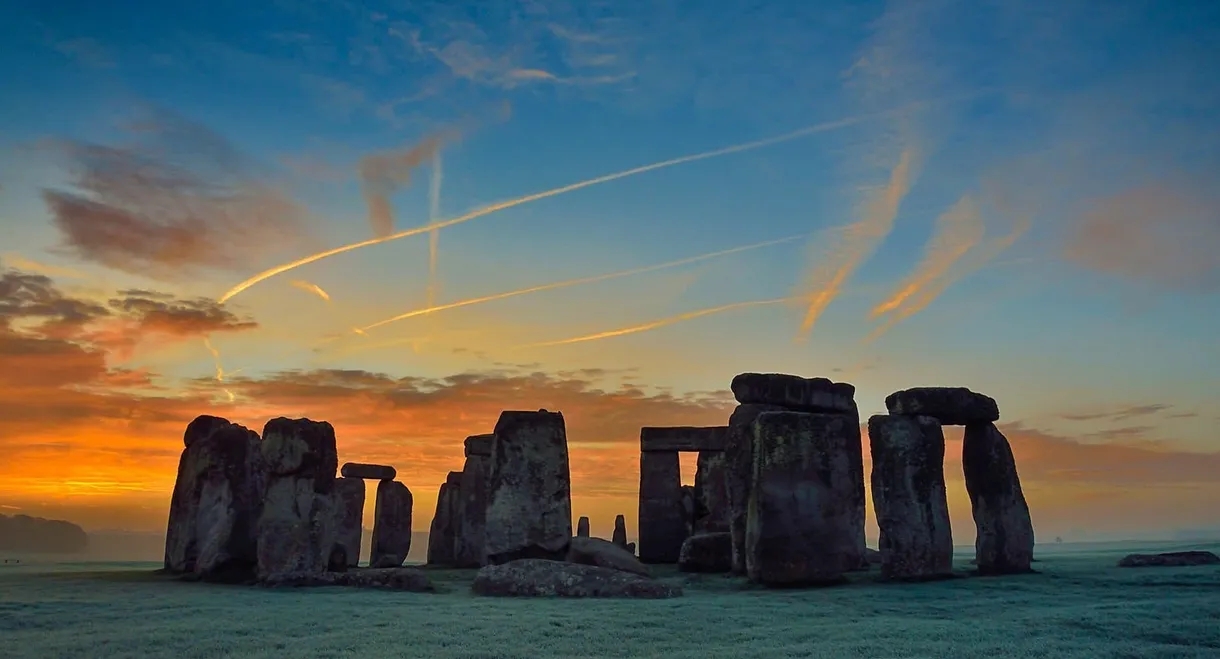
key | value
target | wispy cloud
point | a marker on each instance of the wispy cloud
(383, 174)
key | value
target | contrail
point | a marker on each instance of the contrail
(487, 210)
(220, 371)
(383, 174)
(690, 315)
(583, 280)
(434, 212)
(311, 288)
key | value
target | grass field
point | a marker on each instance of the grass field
(1080, 605)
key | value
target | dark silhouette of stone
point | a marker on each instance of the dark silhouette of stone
(479, 445)
(406, 579)
(801, 515)
(794, 393)
(1170, 559)
(582, 527)
(36, 534)
(368, 471)
(349, 513)
(468, 550)
(529, 501)
(216, 502)
(534, 577)
(1005, 533)
(873, 556)
(739, 472)
(296, 530)
(620, 531)
(952, 406)
(682, 438)
(908, 483)
(688, 512)
(441, 541)
(337, 562)
(662, 521)
(595, 551)
(707, 552)
(711, 497)
(391, 525)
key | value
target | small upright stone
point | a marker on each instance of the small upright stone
(1005, 533)
(620, 531)
(582, 527)
(368, 471)
(794, 393)
(349, 513)
(952, 406)
(391, 525)
(739, 472)
(296, 531)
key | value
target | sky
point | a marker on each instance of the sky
(225, 210)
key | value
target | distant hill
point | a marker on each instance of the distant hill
(22, 533)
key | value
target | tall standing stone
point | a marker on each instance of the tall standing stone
(349, 515)
(711, 497)
(529, 499)
(582, 527)
(440, 534)
(739, 472)
(800, 521)
(391, 525)
(909, 497)
(217, 499)
(1005, 540)
(468, 551)
(620, 531)
(859, 497)
(296, 531)
(661, 517)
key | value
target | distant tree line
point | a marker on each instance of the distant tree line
(35, 534)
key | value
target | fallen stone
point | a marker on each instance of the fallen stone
(391, 525)
(368, 471)
(707, 552)
(534, 577)
(908, 483)
(682, 438)
(711, 497)
(595, 551)
(216, 502)
(952, 406)
(529, 509)
(472, 509)
(1170, 559)
(582, 527)
(739, 470)
(794, 393)
(441, 543)
(296, 531)
(662, 520)
(479, 445)
(349, 515)
(620, 531)
(1004, 543)
(800, 524)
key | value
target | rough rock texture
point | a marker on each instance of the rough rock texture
(368, 471)
(472, 508)
(582, 527)
(707, 552)
(479, 445)
(391, 525)
(620, 531)
(688, 511)
(1170, 559)
(349, 515)
(682, 438)
(296, 531)
(739, 473)
(662, 520)
(595, 551)
(801, 516)
(217, 499)
(1005, 533)
(711, 497)
(529, 500)
(859, 503)
(908, 483)
(394, 578)
(952, 406)
(534, 577)
(441, 542)
(794, 392)
(873, 556)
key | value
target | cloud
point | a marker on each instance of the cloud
(19, 262)
(26, 296)
(178, 201)
(383, 174)
(162, 313)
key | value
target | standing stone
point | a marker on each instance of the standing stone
(391, 525)
(909, 497)
(662, 520)
(711, 497)
(620, 531)
(217, 499)
(468, 549)
(800, 516)
(440, 535)
(739, 473)
(349, 513)
(296, 531)
(529, 499)
(1005, 540)
(688, 511)
(582, 527)
(859, 502)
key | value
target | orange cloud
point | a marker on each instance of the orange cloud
(383, 174)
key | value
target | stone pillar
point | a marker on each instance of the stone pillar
(391, 525)
(582, 527)
(620, 531)
(296, 531)
(711, 498)
(662, 527)
(349, 514)
(1005, 540)
(468, 551)
(440, 534)
(739, 470)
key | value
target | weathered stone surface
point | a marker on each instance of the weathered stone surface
(296, 530)
(620, 531)
(1170, 559)
(688, 511)
(534, 577)
(952, 406)
(349, 515)
(873, 556)
(662, 520)
(582, 527)
(216, 502)
(682, 438)
(468, 537)
(595, 551)
(707, 552)
(800, 522)
(739, 473)
(794, 393)
(441, 541)
(909, 498)
(711, 497)
(859, 496)
(407, 579)
(1005, 533)
(529, 501)
(391, 525)
(479, 445)
(368, 471)
(454, 478)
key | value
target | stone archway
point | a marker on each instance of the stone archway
(664, 521)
